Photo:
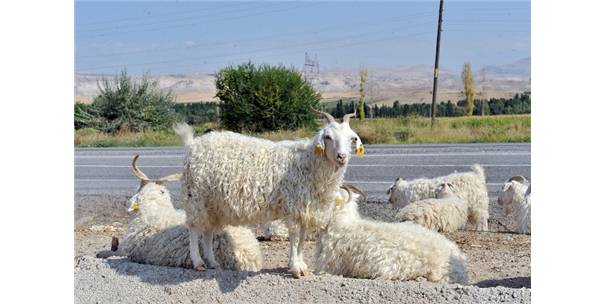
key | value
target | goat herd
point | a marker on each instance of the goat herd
(231, 183)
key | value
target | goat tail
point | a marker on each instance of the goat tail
(185, 132)
(478, 170)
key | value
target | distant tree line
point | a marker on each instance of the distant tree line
(519, 104)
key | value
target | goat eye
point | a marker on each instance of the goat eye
(162, 191)
(354, 139)
(327, 137)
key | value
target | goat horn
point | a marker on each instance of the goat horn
(346, 117)
(518, 178)
(349, 196)
(326, 115)
(169, 178)
(363, 194)
(138, 172)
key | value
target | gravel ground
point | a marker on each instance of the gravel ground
(498, 265)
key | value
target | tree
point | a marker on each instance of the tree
(264, 98)
(363, 77)
(469, 88)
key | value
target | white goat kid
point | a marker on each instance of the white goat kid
(469, 186)
(445, 213)
(515, 199)
(232, 179)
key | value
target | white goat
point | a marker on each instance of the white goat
(469, 186)
(445, 213)
(514, 198)
(232, 179)
(352, 246)
(157, 233)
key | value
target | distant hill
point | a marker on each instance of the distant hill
(407, 84)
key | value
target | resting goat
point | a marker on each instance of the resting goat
(445, 213)
(355, 247)
(514, 198)
(157, 233)
(469, 186)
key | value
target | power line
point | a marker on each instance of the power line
(314, 31)
(178, 20)
(200, 22)
(306, 44)
(156, 16)
(191, 61)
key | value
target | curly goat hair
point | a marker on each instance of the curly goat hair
(356, 247)
(157, 233)
(445, 213)
(469, 186)
(515, 198)
(233, 179)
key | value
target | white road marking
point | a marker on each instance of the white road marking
(347, 181)
(351, 165)
(438, 166)
(148, 156)
(123, 166)
(129, 156)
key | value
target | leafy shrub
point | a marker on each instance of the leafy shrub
(264, 98)
(197, 113)
(126, 105)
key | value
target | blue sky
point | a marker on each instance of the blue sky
(187, 37)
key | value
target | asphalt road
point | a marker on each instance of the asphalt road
(107, 170)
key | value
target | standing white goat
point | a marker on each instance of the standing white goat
(445, 213)
(514, 198)
(157, 233)
(352, 246)
(469, 186)
(232, 179)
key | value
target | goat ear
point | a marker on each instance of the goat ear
(389, 190)
(170, 178)
(319, 144)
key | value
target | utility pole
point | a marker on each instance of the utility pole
(436, 69)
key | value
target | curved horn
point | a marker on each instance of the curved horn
(349, 196)
(169, 178)
(346, 117)
(138, 172)
(363, 194)
(519, 179)
(326, 115)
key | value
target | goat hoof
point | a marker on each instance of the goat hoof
(298, 272)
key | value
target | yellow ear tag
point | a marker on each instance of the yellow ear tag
(360, 151)
(133, 207)
(338, 201)
(319, 150)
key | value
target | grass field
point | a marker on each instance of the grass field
(477, 129)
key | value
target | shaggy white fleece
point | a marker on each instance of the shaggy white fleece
(446, 213)
(469, 186)
(157, 235)
(355, 247)
(232, 179)
(515, 199)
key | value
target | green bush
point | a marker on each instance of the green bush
(264, 98)
(124, 104)
(197, 113)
